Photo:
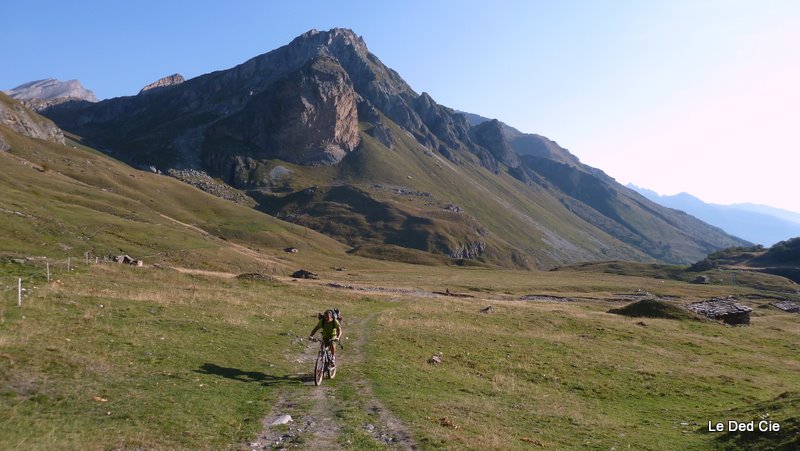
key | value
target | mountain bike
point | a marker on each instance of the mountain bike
(322, 366)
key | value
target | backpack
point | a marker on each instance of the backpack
(337, 315)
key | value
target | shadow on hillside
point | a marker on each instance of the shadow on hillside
(252, 376)
(783, 410)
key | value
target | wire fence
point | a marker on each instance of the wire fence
(20, 276)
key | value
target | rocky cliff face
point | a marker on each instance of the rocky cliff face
(21, 120)
(301, 102)
(526, 143)
(171, 80)
(308, 117)
(490, 135)
(41, 94)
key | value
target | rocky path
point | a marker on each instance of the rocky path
(388, 429)
(315, 424)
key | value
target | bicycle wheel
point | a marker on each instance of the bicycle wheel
(319, 370)
(331, 369)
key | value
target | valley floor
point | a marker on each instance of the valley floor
(118, 357)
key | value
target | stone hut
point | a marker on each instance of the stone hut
(787, 306)
(128, 260)
(303, 274)
(723, 309)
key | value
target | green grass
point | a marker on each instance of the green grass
(784, 410)
(112, 358)
(86, 201)
(719, 277)
(196, 362)
(571, 375)
(522, 220)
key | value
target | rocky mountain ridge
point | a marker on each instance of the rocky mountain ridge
(170, 80)
(325, 101)
(41, 94)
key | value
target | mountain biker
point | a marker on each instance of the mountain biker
(331, 330)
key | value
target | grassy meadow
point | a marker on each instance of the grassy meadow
(122, 357)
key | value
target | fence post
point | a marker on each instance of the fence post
(69, 262)
(19, 292)
(48, 272)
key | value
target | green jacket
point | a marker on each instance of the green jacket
(329, 330)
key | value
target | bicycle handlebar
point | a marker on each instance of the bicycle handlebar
(335, 340)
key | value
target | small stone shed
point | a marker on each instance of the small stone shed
(303, 274)
(128, 260)
(723, 309)
(787, 306)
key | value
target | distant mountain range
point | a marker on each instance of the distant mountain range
(760, 224)
(321, 133)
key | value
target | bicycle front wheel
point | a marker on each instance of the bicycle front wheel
(319, 370)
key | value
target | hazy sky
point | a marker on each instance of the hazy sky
(696, 96)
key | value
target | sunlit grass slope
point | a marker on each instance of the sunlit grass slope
(573, 376)
(67, 200)
(122, 357)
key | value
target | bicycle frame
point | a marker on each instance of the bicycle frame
(322, 366)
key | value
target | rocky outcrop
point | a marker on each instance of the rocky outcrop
(309, 117)
(526, 143)
(22, 120)
(490, 135)
(171, 80)
(367, 113)
(206, 183)
(469, 250)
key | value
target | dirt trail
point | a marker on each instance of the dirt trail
(202, 272)
(315, 424)
(390, 429)
(261, 258)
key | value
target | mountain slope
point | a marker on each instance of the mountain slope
(321, 133)
(758, 224)
(64, 200)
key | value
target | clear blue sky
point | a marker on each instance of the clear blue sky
(696, 96)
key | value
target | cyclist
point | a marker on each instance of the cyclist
(331, 330)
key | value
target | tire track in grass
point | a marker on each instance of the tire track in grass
(320, 417)
(313, 423)
(388, 430)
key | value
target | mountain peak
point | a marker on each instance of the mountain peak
(41, 94)
(335, 39)
(170, 80)
(49, 89)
